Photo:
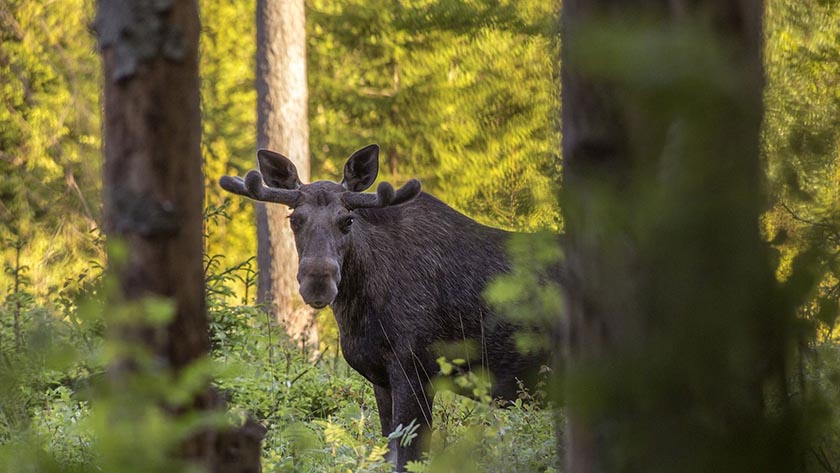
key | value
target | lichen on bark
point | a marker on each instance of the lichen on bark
(138, 31)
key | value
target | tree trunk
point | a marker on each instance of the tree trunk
(282, 126)
(675, 335)
(154, 190)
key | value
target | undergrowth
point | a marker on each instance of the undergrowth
(320, 415)
(58, 415)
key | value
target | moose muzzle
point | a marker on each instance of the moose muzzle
(318, 278)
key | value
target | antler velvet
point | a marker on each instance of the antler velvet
(254, 187)
(385, 196)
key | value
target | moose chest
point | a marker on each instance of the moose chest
(365, 347)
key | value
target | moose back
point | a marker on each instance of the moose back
(404, 274)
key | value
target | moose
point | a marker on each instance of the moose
(404, 275)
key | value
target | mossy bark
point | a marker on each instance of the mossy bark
(154, 195)
(676, 336)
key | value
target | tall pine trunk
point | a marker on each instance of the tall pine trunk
(153, 196)
(675, 335)
(282, 126)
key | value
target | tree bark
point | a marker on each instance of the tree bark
(282, 126)
(153, 193)
(675, 336)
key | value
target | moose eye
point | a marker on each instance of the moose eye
(295, 221)
(345, 224)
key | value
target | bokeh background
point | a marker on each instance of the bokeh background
(463, 95)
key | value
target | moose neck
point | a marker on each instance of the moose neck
(373, 253)
(402, 250)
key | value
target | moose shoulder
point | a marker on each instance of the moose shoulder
(404, 274)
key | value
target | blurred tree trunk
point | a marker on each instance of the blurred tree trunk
(676, 337)
(153, 195)
(282, 126)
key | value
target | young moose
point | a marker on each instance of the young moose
(404, 275)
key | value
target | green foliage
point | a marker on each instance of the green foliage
(482, 436)
(321, 415)
(40, 417)
(530, 293)
(229, 117)
(59, 411)
(478, 128)
(801, 145)
(49, 141)
(461, 94)
(821, 378)
(802, 142)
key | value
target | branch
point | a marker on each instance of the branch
(803, 219)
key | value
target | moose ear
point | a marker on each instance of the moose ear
(361, 169)
(277, 170)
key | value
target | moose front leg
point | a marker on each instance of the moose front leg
(412, 401)
(385, 407)
(386, 415)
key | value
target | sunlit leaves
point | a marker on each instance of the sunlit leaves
(801, 142)
(229, 112)
(49, 141)
(477, 127)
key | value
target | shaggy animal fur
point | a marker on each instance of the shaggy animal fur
(404, 274)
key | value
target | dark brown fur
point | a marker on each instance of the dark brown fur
(405, 283)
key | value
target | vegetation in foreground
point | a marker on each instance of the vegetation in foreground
(57, 413)
(455, 91)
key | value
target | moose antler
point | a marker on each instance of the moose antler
(385, 196)
(254, 187)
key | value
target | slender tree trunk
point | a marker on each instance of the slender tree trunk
(154, 190)
(282, 126)
(674, 333)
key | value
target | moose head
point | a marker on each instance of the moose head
(323, 212)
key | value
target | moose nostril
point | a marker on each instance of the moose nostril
(318, 291)
(319, 268)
